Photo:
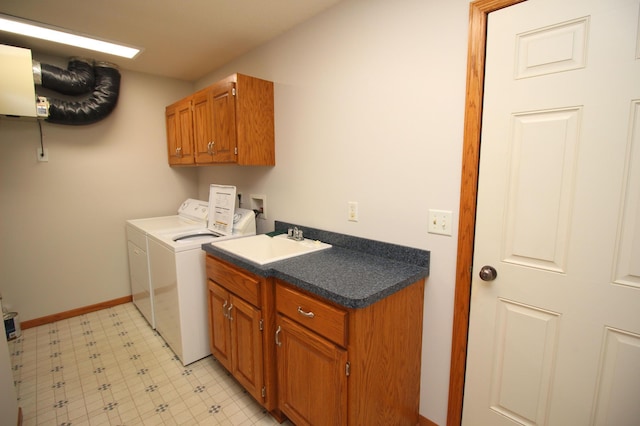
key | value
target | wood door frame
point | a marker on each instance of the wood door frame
(478, 15)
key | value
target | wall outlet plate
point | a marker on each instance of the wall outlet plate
(42, 155)
(440, 222)
(352, 214)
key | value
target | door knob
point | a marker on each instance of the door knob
(488, 273)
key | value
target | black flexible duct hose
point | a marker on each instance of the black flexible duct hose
(94, 108)
(77, 79)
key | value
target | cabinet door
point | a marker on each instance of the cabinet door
(246, 338)
(219, 330)
(223, 107)
(203, 127)
(180, 133)
(312, 380)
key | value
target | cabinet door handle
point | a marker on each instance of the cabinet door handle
(212, 151)
(179, 151)
(229, 312)
(224, 309)
(306, 314)
(278, 342)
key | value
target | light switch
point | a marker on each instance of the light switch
(440, 222)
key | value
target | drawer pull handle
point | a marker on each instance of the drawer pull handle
(278, 342)
(224, 309)
(229, 312)
(306, 314)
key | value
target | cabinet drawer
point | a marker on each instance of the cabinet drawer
(320, 317)
(242, 284)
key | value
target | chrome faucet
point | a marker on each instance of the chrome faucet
(295, 234)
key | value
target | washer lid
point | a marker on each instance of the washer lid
(222, 203)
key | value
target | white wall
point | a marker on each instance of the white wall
(369, 104)
(62, 239)
(369, 108)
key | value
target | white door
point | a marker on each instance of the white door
(554, 339)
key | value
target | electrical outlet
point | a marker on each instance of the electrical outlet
(440, 222)
(42, 155)
(352, 215)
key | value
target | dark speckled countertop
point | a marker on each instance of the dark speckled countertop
(355, 272)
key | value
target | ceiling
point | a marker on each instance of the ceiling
(183, 39)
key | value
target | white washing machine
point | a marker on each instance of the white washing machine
(178, 271)
(192, 214)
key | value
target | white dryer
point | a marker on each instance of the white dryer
(178, 271)
(192, 214)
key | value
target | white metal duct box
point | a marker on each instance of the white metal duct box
(17, 88)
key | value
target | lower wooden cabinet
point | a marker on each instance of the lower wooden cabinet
(343, 366)
(237, 329)
(312, 381)
(237, 338)
(219, 327)
(313, 361)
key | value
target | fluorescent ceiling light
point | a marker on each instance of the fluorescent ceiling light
(33, 29)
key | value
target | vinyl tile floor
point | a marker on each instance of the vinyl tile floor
(110, 368)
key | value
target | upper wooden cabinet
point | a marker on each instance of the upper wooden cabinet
(214, 123)
(231, 121)
(180, 133)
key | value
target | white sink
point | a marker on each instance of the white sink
(263, 249)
